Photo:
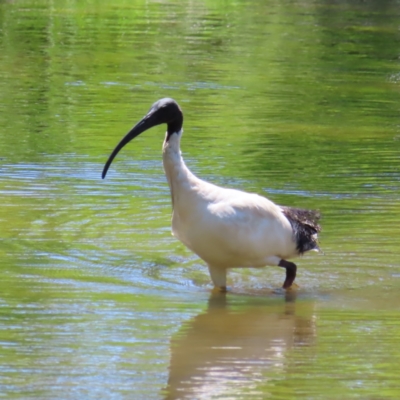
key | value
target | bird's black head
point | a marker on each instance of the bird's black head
(164, 111)
(167, 111)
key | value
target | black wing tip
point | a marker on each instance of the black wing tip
(304, 216)
(305, 227)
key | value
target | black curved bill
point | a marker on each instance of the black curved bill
(146, 123)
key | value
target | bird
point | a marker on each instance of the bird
(227, 228)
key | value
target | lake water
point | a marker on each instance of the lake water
(295, 100)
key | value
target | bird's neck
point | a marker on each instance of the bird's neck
(180, 178)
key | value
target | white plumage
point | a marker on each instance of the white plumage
(226, 228)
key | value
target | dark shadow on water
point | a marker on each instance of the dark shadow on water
(236, 344)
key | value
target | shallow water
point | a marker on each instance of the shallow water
(297, 101)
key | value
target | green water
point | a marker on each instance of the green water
(296, 100)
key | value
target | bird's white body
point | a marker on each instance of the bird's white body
(226, 228)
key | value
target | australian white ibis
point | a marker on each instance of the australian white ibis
(227, 228)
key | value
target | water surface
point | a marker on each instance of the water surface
(297, 101)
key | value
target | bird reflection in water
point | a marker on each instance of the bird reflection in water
(235, 345)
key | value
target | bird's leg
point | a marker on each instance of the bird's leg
(218, 276)
(290, 272)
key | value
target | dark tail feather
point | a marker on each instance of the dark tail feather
(305, 227)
